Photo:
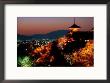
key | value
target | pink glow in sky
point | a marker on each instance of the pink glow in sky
(43, 25)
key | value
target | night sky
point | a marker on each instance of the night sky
(43, 25)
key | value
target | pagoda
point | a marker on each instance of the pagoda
(74, 27)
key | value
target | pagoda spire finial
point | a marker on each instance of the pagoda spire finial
(74, 20)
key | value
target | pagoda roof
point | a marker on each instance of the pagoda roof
(74, 26)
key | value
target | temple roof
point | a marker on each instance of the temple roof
(74, 25)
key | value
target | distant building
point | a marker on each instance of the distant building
(92, 29)
(74, 27)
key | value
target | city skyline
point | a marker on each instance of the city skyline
(43, 25)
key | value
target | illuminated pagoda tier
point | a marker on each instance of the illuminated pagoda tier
(74, 27)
